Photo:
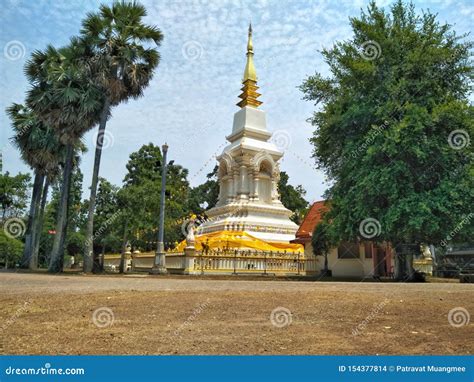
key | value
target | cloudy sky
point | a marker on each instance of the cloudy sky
(191, 101)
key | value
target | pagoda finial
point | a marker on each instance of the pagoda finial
(249, 90)
(249, 43)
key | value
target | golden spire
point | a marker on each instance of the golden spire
(249, 90)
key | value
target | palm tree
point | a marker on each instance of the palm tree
(41, 150)
(64, 98)
(122, 66)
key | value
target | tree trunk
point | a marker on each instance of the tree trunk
(56, 258)
(326, 263)
(39, 223)
(26, 261)
(404, 270)
(410, 271)
(35, 234)
(124, 246)
(90, 260)
(399, 271)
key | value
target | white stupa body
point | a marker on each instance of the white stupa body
(248, 177)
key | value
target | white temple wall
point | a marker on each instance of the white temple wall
(244, 180)
(264, 188)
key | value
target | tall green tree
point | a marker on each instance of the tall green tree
(393, 130)
(123, 66)
(64, 98)
(141, 195)
(321, 242)
(13, 194)
(107, 217)
(11, 250)
(292, 198)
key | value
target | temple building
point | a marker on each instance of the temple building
(249, 213)
(359, 259)
(249, 230)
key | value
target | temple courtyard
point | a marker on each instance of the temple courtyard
(76, 314)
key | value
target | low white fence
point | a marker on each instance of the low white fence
(248, 261)
(228, 262)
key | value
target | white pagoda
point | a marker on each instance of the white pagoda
(249, 202)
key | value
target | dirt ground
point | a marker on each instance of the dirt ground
(42, 314)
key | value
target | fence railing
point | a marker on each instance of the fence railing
(230, 261)
(248, 261)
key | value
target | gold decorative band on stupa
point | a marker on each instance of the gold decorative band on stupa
(249, 90)
(249, 95)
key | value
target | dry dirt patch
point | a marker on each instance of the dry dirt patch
(231, 319)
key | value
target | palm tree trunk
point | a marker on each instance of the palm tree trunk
(90, 260)
(56, 260)
(26, 261)
(39, 223)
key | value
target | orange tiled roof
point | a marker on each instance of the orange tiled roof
(311, 220)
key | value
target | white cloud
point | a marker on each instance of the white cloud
(190, 102)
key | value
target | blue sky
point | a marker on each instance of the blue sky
(191, 101)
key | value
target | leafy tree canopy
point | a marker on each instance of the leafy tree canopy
(292, 198)
(394, 126)
(13, 193)
(11, 250)
(140, 197)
